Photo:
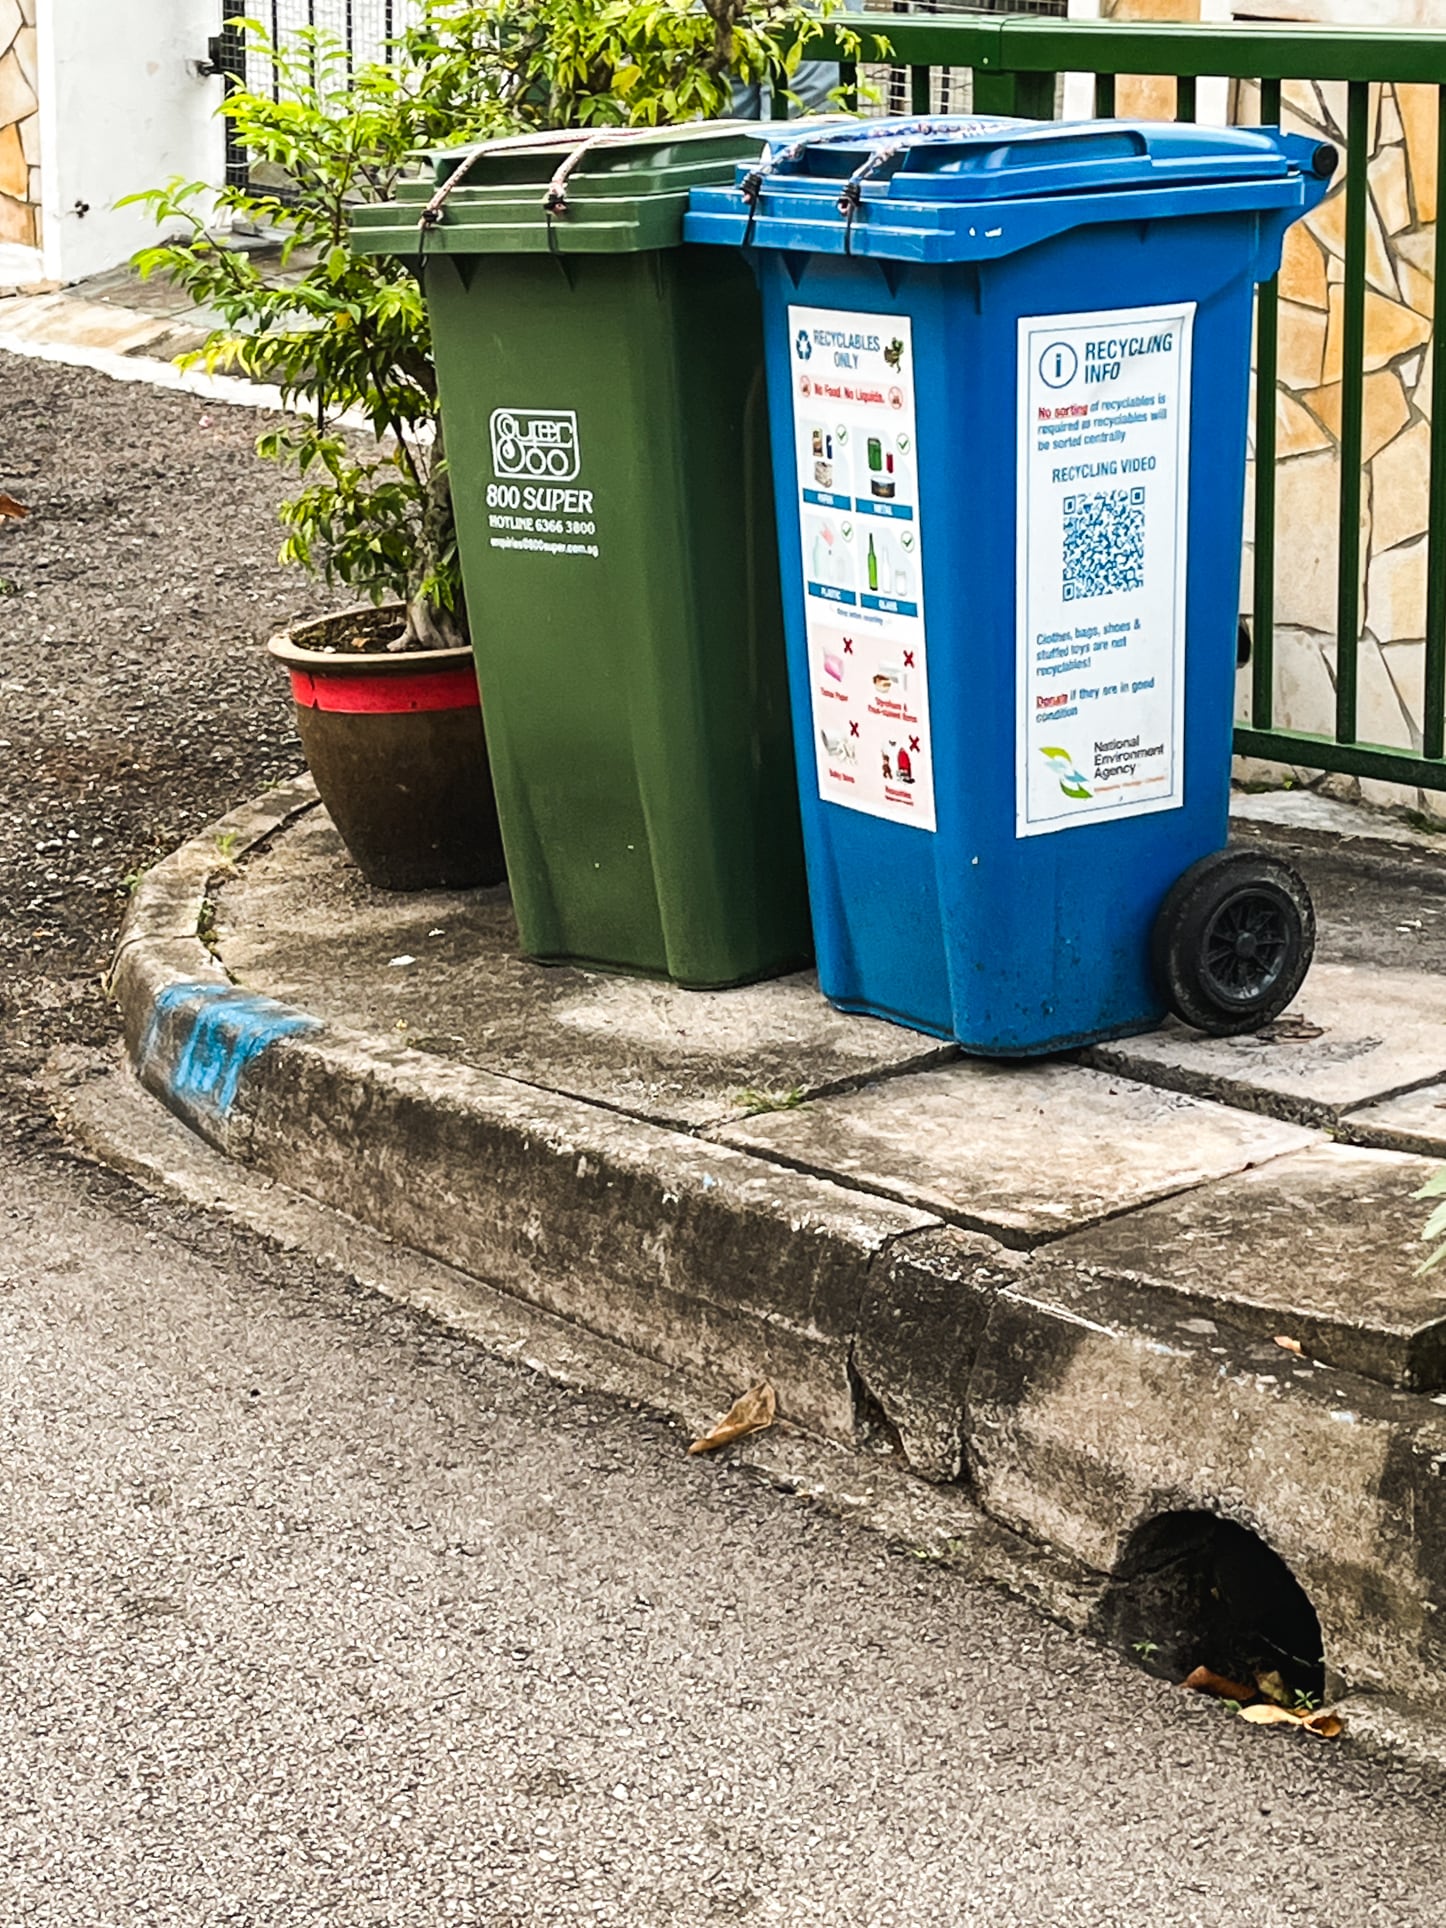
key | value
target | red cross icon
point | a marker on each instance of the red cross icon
(848, 645)
(853, 729)
(908, 659)
(914, 744)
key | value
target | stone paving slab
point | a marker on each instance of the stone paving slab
(1026, 1152)
(1357, 1034)
(1323, 1247)
(683, 1058)
(1379, 895)
(1305, 812)
(1415, 1122)
(61, 318)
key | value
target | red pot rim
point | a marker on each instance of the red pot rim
(364, 662)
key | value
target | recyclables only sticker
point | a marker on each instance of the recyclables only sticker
(856, 464)
(1104, 445)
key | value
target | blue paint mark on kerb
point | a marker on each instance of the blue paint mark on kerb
(228, 1028)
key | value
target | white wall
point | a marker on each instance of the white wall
(122, 108)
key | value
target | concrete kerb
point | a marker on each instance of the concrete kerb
(1076, 1408)
(1095, 1409)
(697, 1255)
(70, 349)
(168, 899)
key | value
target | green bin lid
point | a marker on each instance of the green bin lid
(625, 190)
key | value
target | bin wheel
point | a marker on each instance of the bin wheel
(1233, 941)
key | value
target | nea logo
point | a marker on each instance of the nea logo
(535, 444)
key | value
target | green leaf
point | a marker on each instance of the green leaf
(350, 332)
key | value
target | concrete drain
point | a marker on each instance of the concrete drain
(1192, 1590)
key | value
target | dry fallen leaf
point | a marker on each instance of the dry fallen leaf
(1203, 1681)
(1272, 1686)
(1265, 1713)
(1291, 1031)
(1323, 1722)
(752, 1413)
(9, 506)
(1291, 1345)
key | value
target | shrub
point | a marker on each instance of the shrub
(345, 336)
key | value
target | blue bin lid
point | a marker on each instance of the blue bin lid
(955, 187)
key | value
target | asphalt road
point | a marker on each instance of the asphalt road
(311, 1613)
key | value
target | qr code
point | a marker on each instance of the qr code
(1104, 543)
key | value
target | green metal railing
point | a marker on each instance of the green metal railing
(1016, 65)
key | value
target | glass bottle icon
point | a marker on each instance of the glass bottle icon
(873, 564)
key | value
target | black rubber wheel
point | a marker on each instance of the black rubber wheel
(1233, 941)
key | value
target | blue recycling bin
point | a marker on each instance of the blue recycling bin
(1008, 366)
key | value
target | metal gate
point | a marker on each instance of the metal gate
(946, 90)
(365, 28)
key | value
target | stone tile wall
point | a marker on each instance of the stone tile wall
(1400, 306)
(19, 126)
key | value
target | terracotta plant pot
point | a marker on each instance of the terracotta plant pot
(394, 741)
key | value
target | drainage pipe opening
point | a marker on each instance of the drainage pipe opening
(1192, 1590)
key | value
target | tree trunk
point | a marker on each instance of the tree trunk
(429, 625)
(724, 14)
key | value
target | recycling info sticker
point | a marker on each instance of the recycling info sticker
(1104, 463)
(860, 525)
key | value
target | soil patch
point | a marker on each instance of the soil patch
(136, 699)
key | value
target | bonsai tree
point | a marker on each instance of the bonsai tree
(345, 336)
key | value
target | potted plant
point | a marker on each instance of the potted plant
(386, 692)
(386, 695)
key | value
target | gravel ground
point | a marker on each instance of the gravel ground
(135, 701)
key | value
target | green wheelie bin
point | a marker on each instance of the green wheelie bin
(605, 413)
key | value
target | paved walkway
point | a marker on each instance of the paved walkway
(315, 1615)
